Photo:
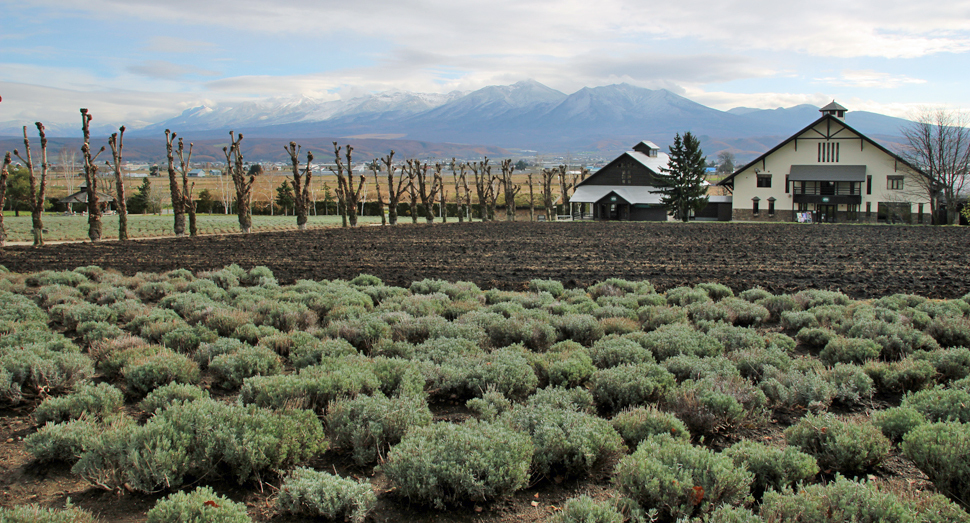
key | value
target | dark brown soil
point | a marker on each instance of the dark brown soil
(861, 261)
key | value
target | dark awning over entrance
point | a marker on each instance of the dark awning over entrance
(612, 197)
(827, 173)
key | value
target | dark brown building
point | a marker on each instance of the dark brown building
(623, 189)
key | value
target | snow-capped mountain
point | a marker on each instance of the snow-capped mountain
(524, 115)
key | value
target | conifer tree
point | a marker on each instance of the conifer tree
(682, 182)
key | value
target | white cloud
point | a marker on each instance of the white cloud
(870, 79)
(765, 100)
(564, 28)
(165, 70)
(171, 44)
(24, 104)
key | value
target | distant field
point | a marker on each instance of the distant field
(66, 228)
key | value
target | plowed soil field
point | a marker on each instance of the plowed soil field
(861, 261)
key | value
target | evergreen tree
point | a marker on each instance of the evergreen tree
(141, 202)
(284, 197)
(327, 198)
(682, 182)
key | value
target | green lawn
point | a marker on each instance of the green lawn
(64, 228)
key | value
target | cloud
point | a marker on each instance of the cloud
(565, 28)
(868, 78)
(164, 70)
(170, 44)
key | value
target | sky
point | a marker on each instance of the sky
(135, 62)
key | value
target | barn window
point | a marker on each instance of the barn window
(764, 180)
(828, 152)
(895, 183)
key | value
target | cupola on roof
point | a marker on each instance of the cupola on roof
(834, 109)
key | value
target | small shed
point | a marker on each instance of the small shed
(82, 197)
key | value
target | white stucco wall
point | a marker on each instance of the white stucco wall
(878, 164)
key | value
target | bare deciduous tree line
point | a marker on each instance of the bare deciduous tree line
(421, 184)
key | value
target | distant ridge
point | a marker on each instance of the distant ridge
(524, 115)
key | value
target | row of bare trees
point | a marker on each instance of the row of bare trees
(423, 183)
(419, 182)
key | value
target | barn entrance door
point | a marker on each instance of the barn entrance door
(826, 213)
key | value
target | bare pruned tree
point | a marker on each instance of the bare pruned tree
(485, 186)
(178, 206)
(468, 193)
(564, 186)
(577, 177)
(188, 199)
(458, 175)
(244, 187)
(91, 178)
(375, 167)
(341, 205)
(443, 204)
(394, 191)
(511, 190)
(412, 189)
(532, 200)
(67, 159)
(4, 172)
(301, 184)
(36, 190)
(117, 144)
(224, 194)
(549, 176)
(426, 190)
(938, 151)
(345, 183)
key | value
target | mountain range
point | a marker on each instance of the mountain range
(524, 116)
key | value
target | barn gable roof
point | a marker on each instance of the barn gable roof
(652, 163)
(730, 179)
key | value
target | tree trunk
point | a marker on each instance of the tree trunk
(91, 177)
(380, 201)
(178, 207)
(36, 194)
(532, 201)
(458, 201)
(4, 172)
(345, 182)
(244, 187)
(301, 185)
(116, 141)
